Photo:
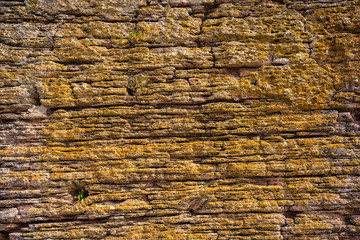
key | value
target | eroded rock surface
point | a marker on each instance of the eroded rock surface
(180, 119)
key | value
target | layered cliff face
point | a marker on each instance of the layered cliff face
(180, 119)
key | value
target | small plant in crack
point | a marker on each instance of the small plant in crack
(81, 195)
(133, 38)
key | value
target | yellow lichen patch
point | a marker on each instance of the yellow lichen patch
(337, 48)
(55, 92)
(14, 95)
(90, 8)
(305, 86)
(337, 19)
(316, 224)
(26, 178)
(290, 53)
(26, 35)
(177, 27)
(32, 4)
(345, 74)
(96, 30)
(247, 8)
(154, 232)
(69, 233)
(252, 54)
(235, 54)
(72, 50)
(289, 27)
(178, 57)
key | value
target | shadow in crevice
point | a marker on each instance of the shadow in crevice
(4, 236)
(291, 214)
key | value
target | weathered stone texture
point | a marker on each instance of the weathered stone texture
(181, 119)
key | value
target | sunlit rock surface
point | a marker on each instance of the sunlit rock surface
(180, 119)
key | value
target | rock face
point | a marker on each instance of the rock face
(180, 119)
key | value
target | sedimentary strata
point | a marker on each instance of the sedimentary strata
(179, 119)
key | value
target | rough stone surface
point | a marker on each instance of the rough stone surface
(180, 119)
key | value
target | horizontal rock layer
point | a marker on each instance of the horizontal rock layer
(179, 119)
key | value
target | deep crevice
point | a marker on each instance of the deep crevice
(4, 236)
(292, 214)
(130, 91)
(356, 114)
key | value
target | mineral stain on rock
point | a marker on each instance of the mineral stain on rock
(180, 119)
